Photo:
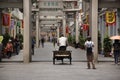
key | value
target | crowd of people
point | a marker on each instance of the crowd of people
(10, 46)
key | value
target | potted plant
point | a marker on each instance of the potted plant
(107, 45)
(81, 42)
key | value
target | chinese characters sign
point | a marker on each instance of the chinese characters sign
(110, 17)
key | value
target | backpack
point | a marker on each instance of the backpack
(89, 47)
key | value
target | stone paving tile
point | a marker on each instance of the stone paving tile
(48, 71)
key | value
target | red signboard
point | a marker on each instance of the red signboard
(6, 18)
(85, 27)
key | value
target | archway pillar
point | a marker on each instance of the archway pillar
(37, 30)
(64, 24)
(27, 31)
(94, 26)
(77, 27)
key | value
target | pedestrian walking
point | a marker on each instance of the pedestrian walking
(54, 41)
(42, 41)
(116, 51)
(89, 53)
(16, 45)
(62, 43)
(33, 45)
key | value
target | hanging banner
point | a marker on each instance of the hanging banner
(85, 27)
(110, 17)
(22, 24)
(6, 19)
(67, 29)
(1, 38)
(12, 24)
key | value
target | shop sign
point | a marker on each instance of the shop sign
(110, 17)
(6, 18)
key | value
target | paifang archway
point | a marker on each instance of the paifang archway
(94, 5)
(26, 6)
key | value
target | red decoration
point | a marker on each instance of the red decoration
(85, 27)
(22, 24)
(6, 19)
(67, 29)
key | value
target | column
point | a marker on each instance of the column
(27, 31)
(0, 21)
(15, 29)
(77, 29)
(37, 30)
(64, 24)
(117, 24)
(40, 33)
(94, 25)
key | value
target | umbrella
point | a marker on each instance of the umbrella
(115, 37)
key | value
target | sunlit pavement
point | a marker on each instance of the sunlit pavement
(48, 71)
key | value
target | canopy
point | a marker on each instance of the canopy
(117, 37)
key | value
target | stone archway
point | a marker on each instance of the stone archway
(94, 5)
(26, 5)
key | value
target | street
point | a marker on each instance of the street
(42, 68)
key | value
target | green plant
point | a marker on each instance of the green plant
(73, 39)
(6, 38)
(81, 41)
(69, 39)
(107, 46)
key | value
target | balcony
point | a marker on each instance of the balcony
(71, 5)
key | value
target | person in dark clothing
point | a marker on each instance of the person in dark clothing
(42, 41)
(54, 41)
(116, 50)
(16, 45)
(33, 45)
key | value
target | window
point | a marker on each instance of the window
(44, 3)
(48, 3)
(56, 3)
(52, 3)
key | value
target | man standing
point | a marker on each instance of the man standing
(62, 42)
(89, 52)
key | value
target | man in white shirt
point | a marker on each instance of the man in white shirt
(89, 52)
(62, 42)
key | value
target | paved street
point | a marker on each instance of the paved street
(45, 54)
(43, 69)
